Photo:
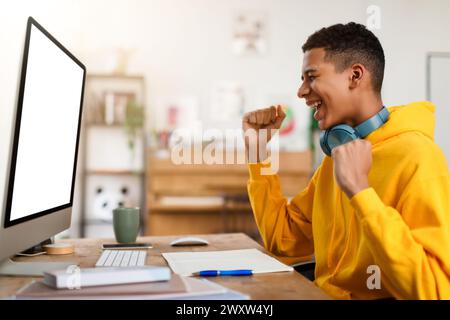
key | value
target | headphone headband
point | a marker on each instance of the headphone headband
(343, 133)
(370, 125)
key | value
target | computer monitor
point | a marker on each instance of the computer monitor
(39, 190)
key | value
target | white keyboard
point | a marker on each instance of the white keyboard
(122, 258)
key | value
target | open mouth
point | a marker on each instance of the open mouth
(317, 105)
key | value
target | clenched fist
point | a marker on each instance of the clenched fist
(352, 163)
(269, 119)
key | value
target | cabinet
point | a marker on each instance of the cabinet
(201, 198)
(112, 150)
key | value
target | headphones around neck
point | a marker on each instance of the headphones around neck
(342, 133)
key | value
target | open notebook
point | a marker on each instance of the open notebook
(186, 263)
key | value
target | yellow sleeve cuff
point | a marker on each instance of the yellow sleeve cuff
(366, 203)
(255, 170)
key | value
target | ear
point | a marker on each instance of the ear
(357, 73)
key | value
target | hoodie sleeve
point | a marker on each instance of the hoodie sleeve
(285, 228)
(412, 245)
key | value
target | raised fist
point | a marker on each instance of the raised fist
(269, 119)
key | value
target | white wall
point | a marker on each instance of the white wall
(183, 46)
(440, 94)
(410, 29)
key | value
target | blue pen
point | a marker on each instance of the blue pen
(214, 273)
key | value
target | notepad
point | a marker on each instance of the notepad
(186, 263)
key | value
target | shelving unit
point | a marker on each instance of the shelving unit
(112, 171)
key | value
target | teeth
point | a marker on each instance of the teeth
(317, 104)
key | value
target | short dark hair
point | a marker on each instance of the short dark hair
(346, 44)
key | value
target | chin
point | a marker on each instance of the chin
(322, 125)
(327, 123)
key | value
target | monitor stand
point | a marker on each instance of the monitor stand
(37, 249)
(32, 269)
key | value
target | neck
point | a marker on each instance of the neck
(367, 107)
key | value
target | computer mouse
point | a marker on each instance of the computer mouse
(189, 241)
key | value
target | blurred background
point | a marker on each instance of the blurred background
(155, 66)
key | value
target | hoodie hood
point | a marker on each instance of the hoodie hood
(416, 116)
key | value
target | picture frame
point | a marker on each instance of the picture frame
(249, 35)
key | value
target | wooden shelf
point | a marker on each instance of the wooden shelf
(115, 76)
(217, 204)
(97, 222)
(104, 125)
(113, 126)
(182, 208)
(110, 172)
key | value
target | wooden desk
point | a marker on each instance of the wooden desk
(270, 286)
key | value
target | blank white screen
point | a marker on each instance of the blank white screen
(48, 130)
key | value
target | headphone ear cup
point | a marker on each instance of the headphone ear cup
(336, 136)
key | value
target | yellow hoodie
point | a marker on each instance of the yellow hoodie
(401, 224)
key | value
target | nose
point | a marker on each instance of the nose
(303, 91)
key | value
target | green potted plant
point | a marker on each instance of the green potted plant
(134, 122)
(314, 141)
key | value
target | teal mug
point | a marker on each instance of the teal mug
(126, 224)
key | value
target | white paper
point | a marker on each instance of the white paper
(187, 263)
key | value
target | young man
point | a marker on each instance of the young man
(379, 206)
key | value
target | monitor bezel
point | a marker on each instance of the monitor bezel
(7, 222)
